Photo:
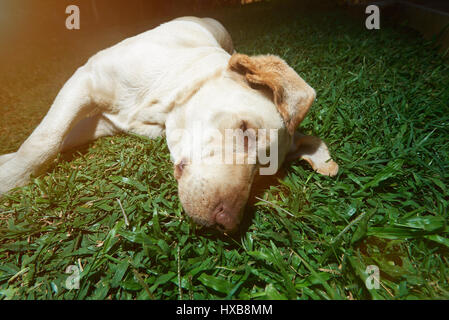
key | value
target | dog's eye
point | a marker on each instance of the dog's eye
(182, 164)
(248, 134)
(244, 126)
(179, 168)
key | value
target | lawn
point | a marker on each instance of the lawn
(382, 107)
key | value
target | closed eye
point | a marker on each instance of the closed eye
(244, 125)
(179, 168)
(249, 133)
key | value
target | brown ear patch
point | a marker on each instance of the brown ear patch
(292, 96)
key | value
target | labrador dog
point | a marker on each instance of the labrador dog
(171, 80)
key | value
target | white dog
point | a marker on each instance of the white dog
(171, 78)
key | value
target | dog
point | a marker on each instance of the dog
(167, 81)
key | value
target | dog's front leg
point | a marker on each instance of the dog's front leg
(72, 103)
(6, 157)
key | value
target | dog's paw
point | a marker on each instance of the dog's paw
(12, 175)
(329, 168)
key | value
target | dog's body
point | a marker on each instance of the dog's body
(167, 79)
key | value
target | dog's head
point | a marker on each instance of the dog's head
(234, 126)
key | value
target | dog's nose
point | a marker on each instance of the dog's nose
(226, 220)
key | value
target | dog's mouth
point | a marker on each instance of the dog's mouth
(217, 226)
(200, 221)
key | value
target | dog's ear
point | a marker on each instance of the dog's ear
(291, 94)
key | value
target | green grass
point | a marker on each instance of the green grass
(383, 110)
